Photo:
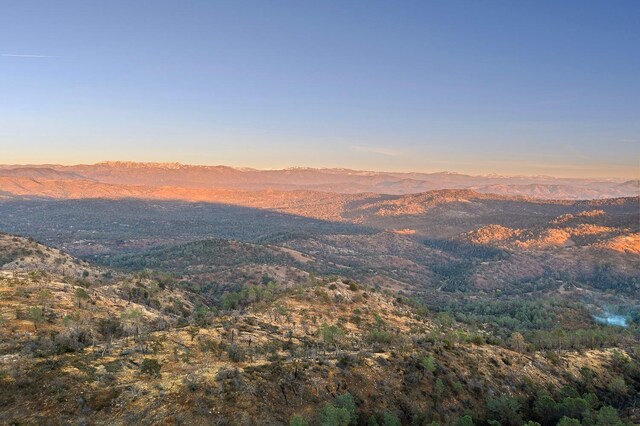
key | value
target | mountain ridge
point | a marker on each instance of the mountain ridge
(339, 180)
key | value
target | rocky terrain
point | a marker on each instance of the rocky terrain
(587, 228)
(142, 348)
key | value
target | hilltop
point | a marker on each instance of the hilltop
(589, 228)
(19, 255)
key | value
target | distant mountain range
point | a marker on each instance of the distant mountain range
(120, 176)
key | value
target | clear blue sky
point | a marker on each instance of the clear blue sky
(513, 87)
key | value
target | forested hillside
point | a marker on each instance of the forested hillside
(122, 348)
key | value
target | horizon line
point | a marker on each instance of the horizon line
(247, 168)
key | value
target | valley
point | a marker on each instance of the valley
(173, 306)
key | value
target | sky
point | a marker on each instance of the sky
(507, 87)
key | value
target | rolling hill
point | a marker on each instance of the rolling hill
(189, 177)
(144, 349)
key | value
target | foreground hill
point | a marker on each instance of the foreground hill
(142, 349)
(18, 254)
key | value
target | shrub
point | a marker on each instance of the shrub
(566, 421)
(227, 373)
(36, 316)
(429, 364)
(103, 398)
(298, 421)
(340, 412)
(505, 410)
(464, 421)
(347, 402)
(574, 408)
(236, 353)
(331, 334)
(390, 419)
(608, 416)
(81, 295)
(347, 360)
(378, 336)
(151, 367)
(333, 416)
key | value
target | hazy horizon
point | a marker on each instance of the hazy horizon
(293, 167)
